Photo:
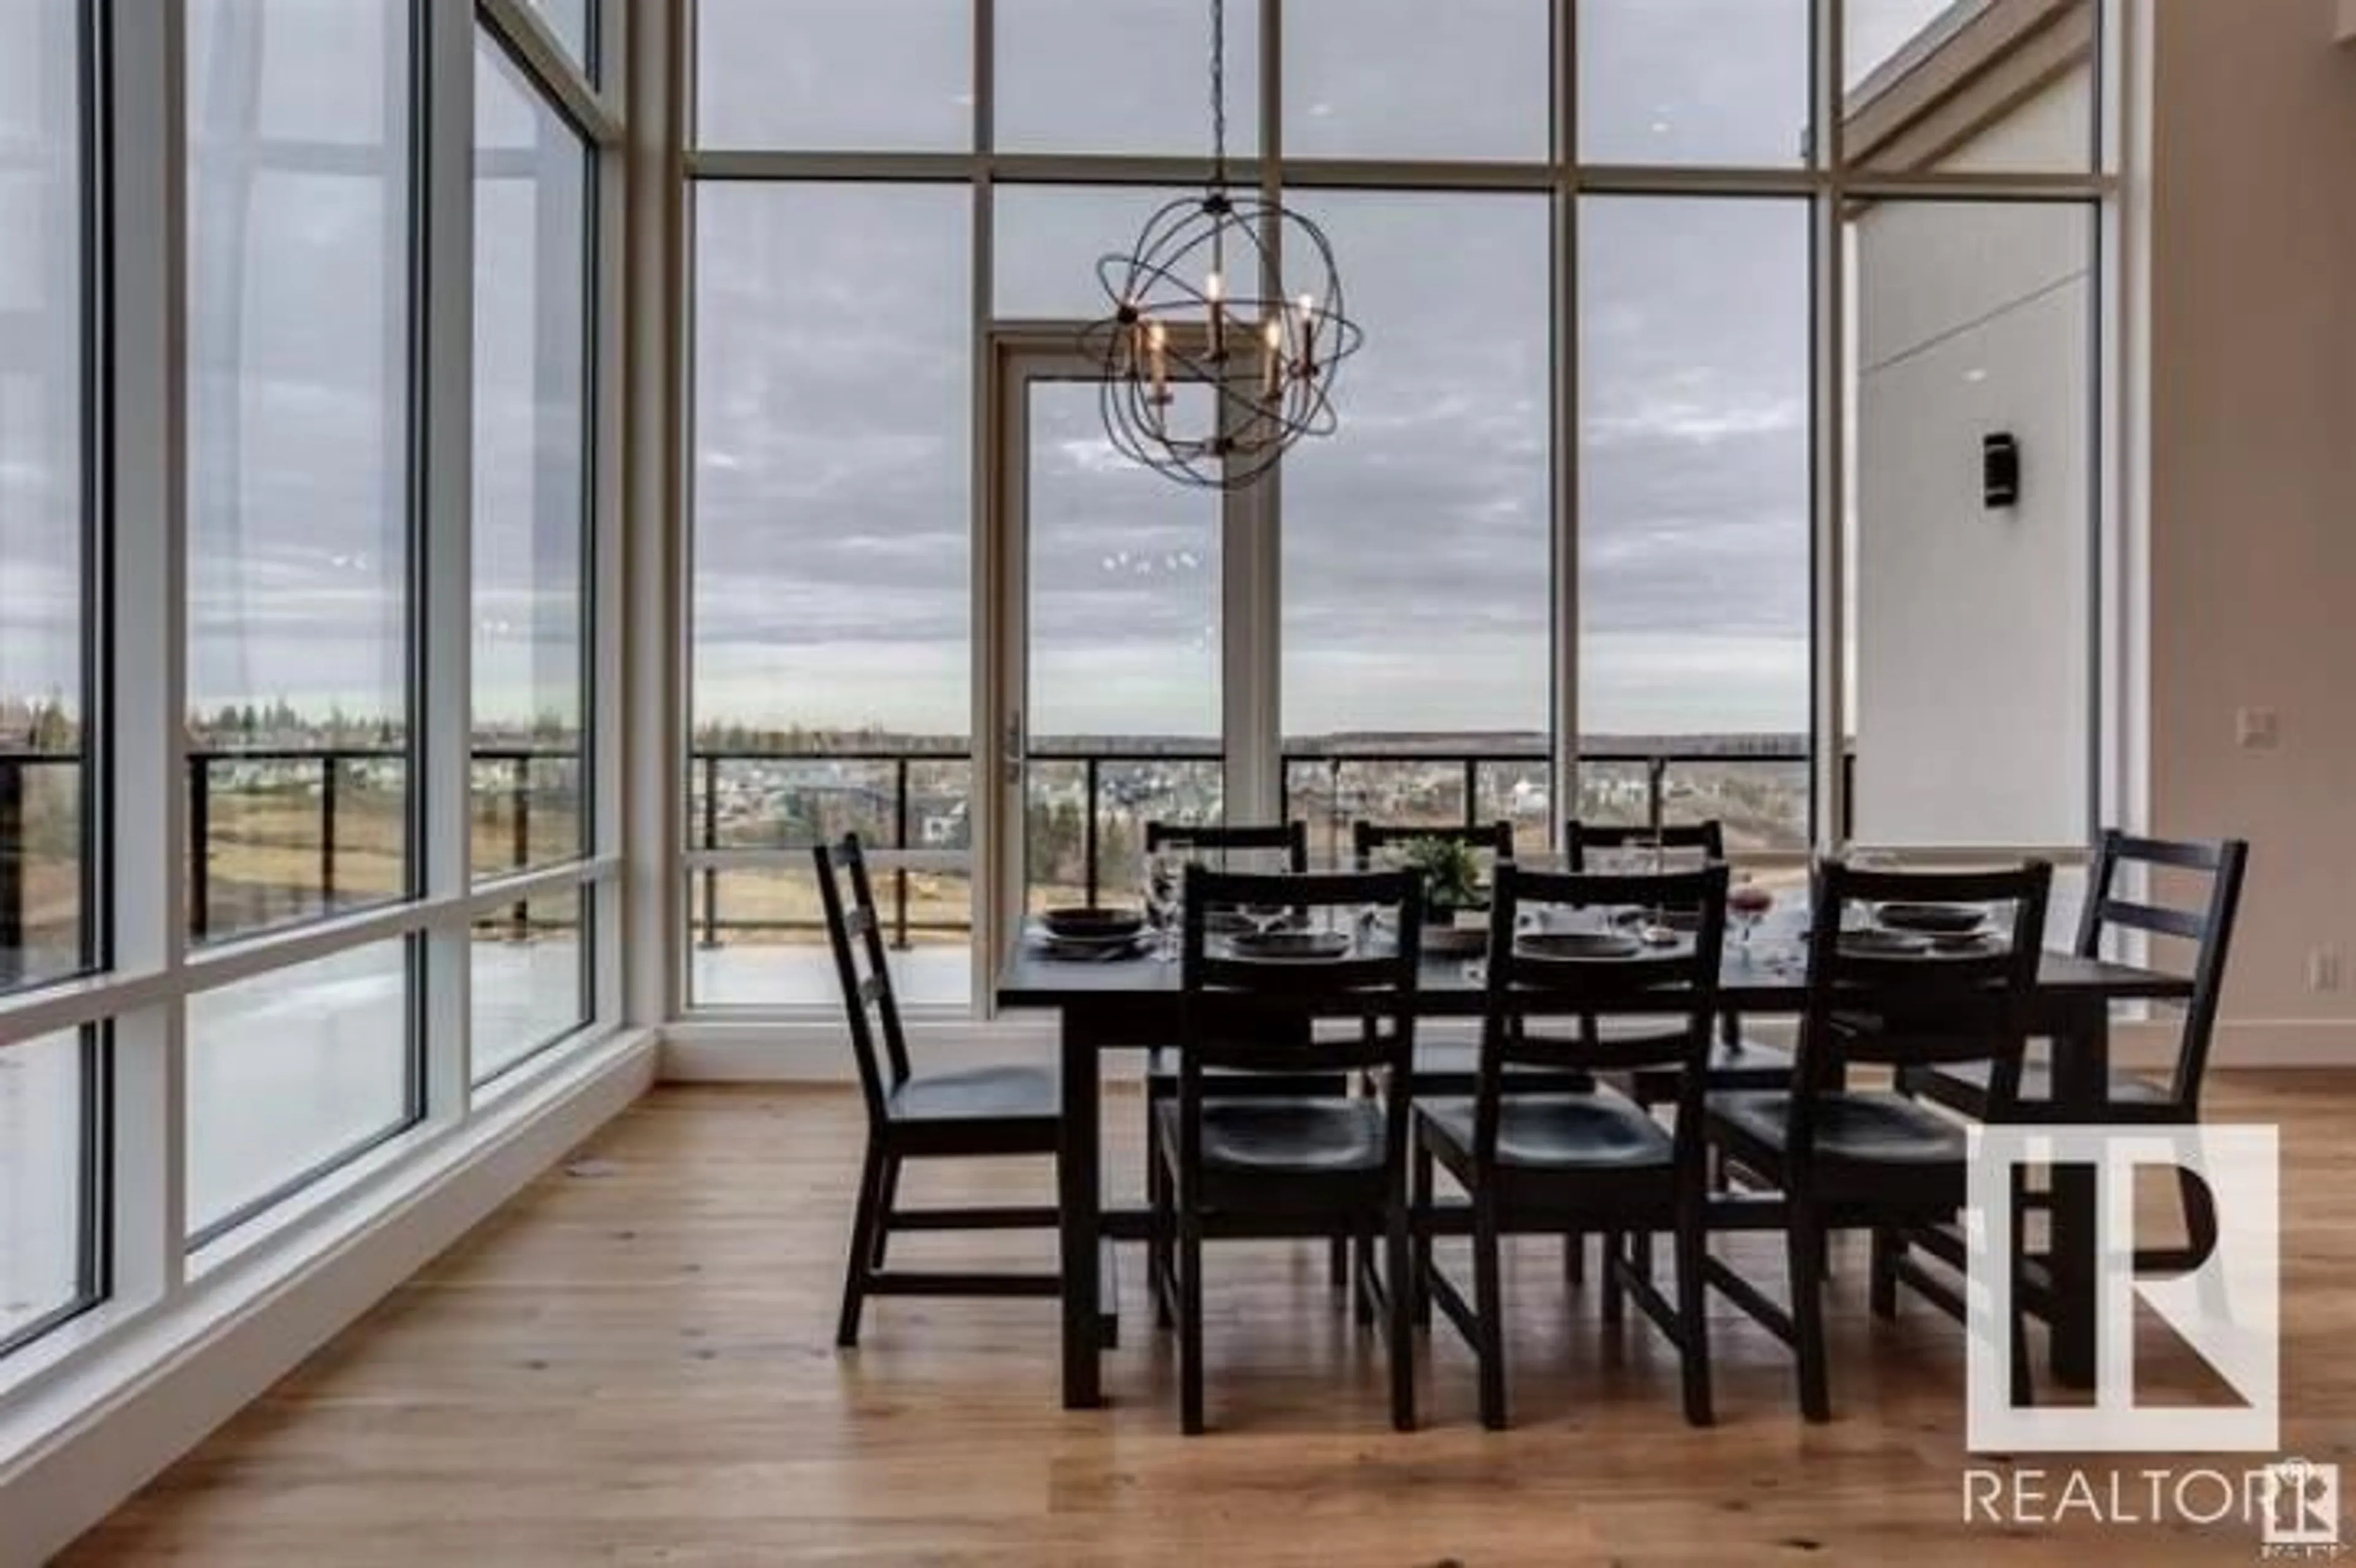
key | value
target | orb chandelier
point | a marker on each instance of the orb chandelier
(1203, 300)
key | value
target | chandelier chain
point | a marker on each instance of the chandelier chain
(1219, 92)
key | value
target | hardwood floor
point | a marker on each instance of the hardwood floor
(633, 1365)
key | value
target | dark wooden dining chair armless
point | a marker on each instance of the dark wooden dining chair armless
(1447, 1067)
(1837, 1158)
(1308, 1165)
(1735, 1062)
(1564, 1164)
(963, 1114)
(2212, 874)
(1289, 842)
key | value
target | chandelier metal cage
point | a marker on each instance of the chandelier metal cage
(1202, 300)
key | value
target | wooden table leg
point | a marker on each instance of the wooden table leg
(2082, 1071)
(1080, 1165)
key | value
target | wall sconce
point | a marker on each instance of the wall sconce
(2000, 471)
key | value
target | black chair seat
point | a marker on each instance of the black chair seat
(1872, 1128)
(1964, 1087)
(1555, 1132)
(977, 1094)
(1295, 1138)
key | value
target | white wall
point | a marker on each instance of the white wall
(1971, 626)
(2252, 477)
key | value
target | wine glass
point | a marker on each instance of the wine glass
(1165, 881)
(1749, 903)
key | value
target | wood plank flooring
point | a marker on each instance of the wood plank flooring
(633, 1365)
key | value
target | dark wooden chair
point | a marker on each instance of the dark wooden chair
(1564, 1164)
(2212, 874)
(1879, 1160)
(1309, 1166)
(1289, 840)
(1734, 1063)
(977, 1112)
(1444, 1066)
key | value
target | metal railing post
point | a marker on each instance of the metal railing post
(520, 844)
(1656, 772)
(1088, 834)
(900, 840)
(13, 961)
(327, 771)
(1471, 792)
(200, 840)
(711, 841)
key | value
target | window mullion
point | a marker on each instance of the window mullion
(444, 325)
(148, 761)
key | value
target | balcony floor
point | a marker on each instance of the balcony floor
(633, 1364)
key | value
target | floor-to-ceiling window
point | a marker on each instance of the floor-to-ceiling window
(52, 649)
(300, 405)
(1679, 387)
(533, 526)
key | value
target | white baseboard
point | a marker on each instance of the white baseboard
(85, 1445)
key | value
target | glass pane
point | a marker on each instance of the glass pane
(573, 23)
(292, 1074)
(1122, 76)
(1047, 240)
(1125, 647)
(832, 588)
(43, 749)
(1969, 680)
(529, 987)
(299, 353)
(1418, 542)
(531, 467)
(1396, 79)
(1970, 86)
(1694, 82)
(44, 1242)
(1695, 470)
(835, 74)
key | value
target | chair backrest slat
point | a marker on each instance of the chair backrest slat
(1289, 839)
(1579, 838)
(2154, 919)
(1368, 837)
(2209, 929)
(856, 934)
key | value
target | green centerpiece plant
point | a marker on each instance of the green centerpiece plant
(1451, 878)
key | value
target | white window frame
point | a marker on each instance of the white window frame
(1826, 183)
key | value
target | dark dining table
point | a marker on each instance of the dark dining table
(1131, 1003)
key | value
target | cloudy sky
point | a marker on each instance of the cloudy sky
(833, 335)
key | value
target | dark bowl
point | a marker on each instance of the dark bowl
(1087, 921)
(1931, 919)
